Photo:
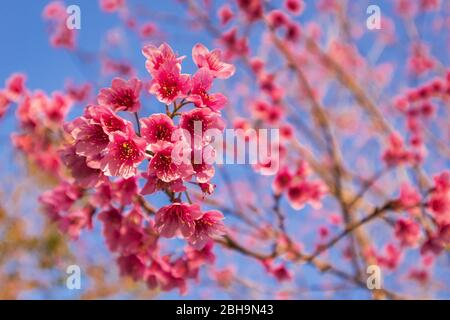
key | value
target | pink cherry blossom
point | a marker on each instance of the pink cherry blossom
(125, 190)
(123, 154)
(117, 67)
(60, 35)
(197, 258)
(429, 5)
(305, 192)
(90, 138)
(436, 241)
(205, 227)
(165, 167)
(133, 238)
(439, 204)
(78, 93)
(201, 118)
(147, 30)
(154, 184)
(161, 274)
(440, 196)
(4, 103)
(207, 188)
(54, 10)
(409, 197)
(294, 6)
(203, 171)
(225, 277)
(91, 132)
(109, 121)
(177, 216)
(112, 220)
(391, 258)
(132, 265)
(396, 153)
(277, 18)
(63, 38)
(75, 221)
(60, 199)
(103, 195)
(122, 96)
(280, 272)
(15, 86)
(212, 60)
(57, 108)
(236, 46)
(225, 14)
(407, 231)
(83, 175)
(442, 181)
(157, 127)
(201, 84)
(253, 9)
(366, 151)
(282, 181)
(419, 275)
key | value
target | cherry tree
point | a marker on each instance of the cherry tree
(362, 164)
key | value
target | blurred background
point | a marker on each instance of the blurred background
(34, 255)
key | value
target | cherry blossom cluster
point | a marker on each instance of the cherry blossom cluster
(412, 230)
(106, 145)
(12, 93)
(299, 189)
(108, 164)
(419, 105)
(37, 114)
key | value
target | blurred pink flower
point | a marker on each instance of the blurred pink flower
(207, 226)
(165, 167)
(407, 231)
(85, 176)
(111, 5)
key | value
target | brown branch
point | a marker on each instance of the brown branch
(346, 80)
(350, 228)
(145, 205)
(320, 265)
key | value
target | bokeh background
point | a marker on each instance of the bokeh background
(33, 256)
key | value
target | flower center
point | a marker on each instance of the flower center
(163, 133)
(169, 87)
(127, 151)
(124, 99)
